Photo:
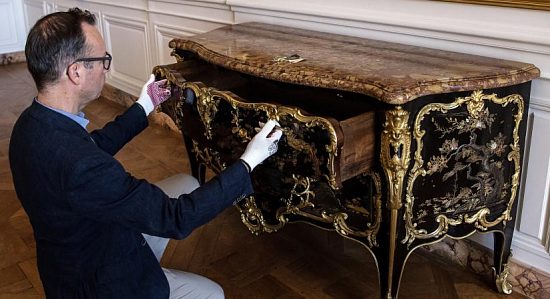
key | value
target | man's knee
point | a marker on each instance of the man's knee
(214, 290)
(178, 184)
(189, 285)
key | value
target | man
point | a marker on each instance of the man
(87, 213)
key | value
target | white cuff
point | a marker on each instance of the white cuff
(146, 104)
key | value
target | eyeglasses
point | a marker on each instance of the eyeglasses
(106, 60)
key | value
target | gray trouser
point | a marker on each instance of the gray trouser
(182, 284)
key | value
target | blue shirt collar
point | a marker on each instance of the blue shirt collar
(79, 118)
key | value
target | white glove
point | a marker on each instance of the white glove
(153, 94)
(263, 145)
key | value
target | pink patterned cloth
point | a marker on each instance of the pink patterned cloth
(158, 91)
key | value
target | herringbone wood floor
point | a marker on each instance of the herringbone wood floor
(298, 262)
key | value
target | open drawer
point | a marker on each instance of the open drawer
(328, 134)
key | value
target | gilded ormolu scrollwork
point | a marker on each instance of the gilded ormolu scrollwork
(300, 197)
(395, 144)
(208, 100)
(480, 164)
(237, 129)
(370, 233)
(501, 279)
(175, 54)
(502, 283)
(253, 218)
(395, 151)
(301, 201)
(209, 157)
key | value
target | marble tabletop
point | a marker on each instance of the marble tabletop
(391, 72)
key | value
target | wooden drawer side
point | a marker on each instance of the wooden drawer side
(359, 144)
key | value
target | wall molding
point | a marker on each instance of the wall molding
(126, 4)
(128, 82)
(446, 17)
(12, 27)
(171, 32)
(209, 12)
(523, 41)
(526, 247)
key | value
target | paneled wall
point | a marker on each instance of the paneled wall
(137, 34)
(12, 28)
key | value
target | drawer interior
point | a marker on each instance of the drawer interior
(336, 104)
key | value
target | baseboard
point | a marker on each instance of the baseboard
(9, 58)
(478, 259)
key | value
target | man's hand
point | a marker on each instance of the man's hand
(153, 94)
(263, 145)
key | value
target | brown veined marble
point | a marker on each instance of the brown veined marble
(394, 73)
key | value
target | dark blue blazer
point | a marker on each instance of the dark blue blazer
(88, 213)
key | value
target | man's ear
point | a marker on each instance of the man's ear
(74, 72)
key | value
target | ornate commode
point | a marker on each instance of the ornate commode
(391, 145)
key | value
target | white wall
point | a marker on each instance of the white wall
(12, 28)
(137, 33)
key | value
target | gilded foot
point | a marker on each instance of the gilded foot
(501, 280)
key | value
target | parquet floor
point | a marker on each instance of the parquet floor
(298, 262)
